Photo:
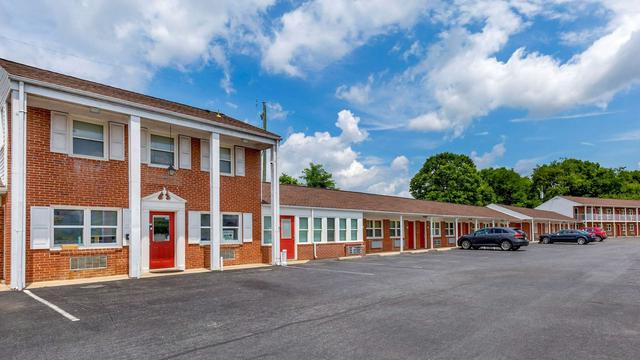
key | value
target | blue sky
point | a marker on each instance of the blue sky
(372, 88)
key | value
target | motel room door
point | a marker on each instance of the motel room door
(410, 231)
(422, 239)
(287, 238)
(162, 248)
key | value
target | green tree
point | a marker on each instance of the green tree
(451, 178)
(288, 180)
(509, 187)
(316, 176)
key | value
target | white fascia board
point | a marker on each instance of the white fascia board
(90, 99)
(509, 212)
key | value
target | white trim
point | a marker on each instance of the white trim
(105, 136)
(231, 160)
(238, 241)
(214, 199)
(275, 205)
(175, 148)
(152, 203)
(374, 228)
(18, 188)
(135, 237)
(86, 226)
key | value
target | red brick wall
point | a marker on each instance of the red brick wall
(324, 250)
(387, 242)
(59, 179)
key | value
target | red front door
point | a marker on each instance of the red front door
(421, 235)
(287, 239)
(162, 247)
(410, 232)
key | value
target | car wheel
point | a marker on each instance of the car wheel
(582, 241)
(505, 245)
(599, 238)
(515, 248)
(546, 240)
(466, 244)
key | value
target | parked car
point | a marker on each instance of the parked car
(596, 232)
(505, 238)
(567, 235)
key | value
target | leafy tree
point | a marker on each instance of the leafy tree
(316, 176)
(509, 187)
(288, 180)
(451, 178)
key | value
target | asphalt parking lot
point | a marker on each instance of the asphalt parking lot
(560, 301)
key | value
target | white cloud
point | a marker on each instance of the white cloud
(350, 169)
(566, 117)
(525, 166)
(275, 111)
(123, 42)
(582, 37)
(586, 143)
(488, 158)
(355, 94)
(415, 50)
(633, 135)
(321, 31)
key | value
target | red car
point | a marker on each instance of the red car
(596, 232)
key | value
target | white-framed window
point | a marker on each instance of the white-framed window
(394, 229)
(331, 229)
(608, 227)
(623, 227)
(230, 228)
(449, 229)
(317, 229)
(342, 229)
(205, 227)
(162, 150)
(354, 229)
(88, 139)
(632, 227)
(85, 227)
(267, 230)
(303, 229)
(435, 229)
(226, 163)
(374, 229)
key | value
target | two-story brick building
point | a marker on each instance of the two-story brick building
(97, 181)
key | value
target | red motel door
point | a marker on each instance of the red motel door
(421, 235)
(410, 233)
(161, 240)
(287, 239)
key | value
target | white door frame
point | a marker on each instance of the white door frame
(168, 202)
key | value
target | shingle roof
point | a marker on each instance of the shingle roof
(603, 202)
(292, 195)
(33, 73)
(537, 214)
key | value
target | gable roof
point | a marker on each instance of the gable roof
(294, 195)
(534, 214)
(29, 72)
(602, 202)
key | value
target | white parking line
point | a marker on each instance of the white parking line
(331, 270)
(53, 306)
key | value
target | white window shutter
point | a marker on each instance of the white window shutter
(126, 226)
(40, 227)
(247, 227)
(239, 160)
(144, 146)
(116, 141)
(204, 155)
(194, 227)
(185, 152)
(59, 133)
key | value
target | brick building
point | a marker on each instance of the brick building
(535, 222)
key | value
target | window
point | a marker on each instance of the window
(449, 229)
(205, 227)
(68, 227)
(623, 227)
(331, 229)
(88, 139)
(354, 229)
(374, 229)
(608, 227)
(632, 227)
(303, 229)
(317, 229)
(230, 228)
(482, 232)
(104, 227)
(267, 230)
(342, 229)
(394, 229)
(162, 150)
(225, 160)
(85, 227)
(435, 229)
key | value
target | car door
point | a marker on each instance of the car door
(479, 237)
(564, 235)
(494, 236)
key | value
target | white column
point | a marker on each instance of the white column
(431, 232)
(455, 229)
(135, 242)
(401, 233)
(585, 216)
(214, 200)
(493, 223)
(275, 207)
(533, 231)
(18, 187)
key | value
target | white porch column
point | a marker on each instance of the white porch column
(401, 233)
(214, 200)
(431, 232)
(18, 187)
(135, 242)
(493, 223)
(275, 207)
(533, 231)
(585, 216)
(476, 228)
(455, 229)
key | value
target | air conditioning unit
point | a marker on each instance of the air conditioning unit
(355, 250)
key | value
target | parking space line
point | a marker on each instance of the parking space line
(332, 270)
(52, 306)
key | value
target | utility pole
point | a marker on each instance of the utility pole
(263, 116)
